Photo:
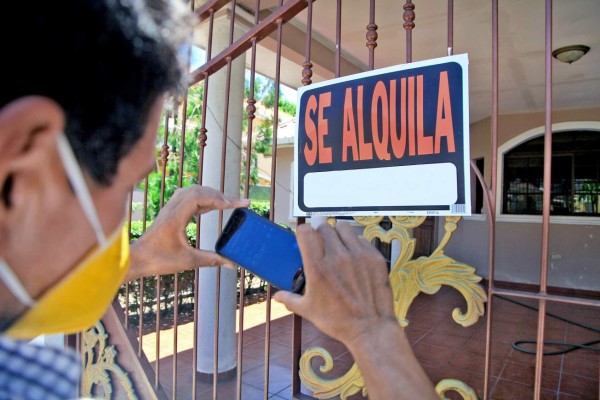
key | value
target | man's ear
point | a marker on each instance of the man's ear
(25, 123)
(28, 127)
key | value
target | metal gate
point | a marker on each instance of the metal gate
(267, 24)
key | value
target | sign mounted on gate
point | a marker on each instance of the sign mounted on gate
(393, 141)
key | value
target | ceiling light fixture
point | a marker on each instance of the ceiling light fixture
(569, 54)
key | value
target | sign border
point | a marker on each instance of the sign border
(462, 60)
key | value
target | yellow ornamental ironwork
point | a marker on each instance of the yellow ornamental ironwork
(98, 360)
(408, 278)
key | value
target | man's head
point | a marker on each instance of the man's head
(97, 71)
(103, 62)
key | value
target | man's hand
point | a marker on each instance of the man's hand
(347, 287)
(164, 247)
(348, 297)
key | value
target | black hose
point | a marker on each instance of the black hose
(568, 347)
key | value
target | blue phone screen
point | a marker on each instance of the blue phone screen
(264, 248)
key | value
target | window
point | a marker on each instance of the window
(478, 204)
(575, 182)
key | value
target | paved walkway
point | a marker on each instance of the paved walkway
(445, 349)
(254, 315)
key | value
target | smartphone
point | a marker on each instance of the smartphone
(268, 250)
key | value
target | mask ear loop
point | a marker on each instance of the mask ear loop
(73, 171)
(14, 285)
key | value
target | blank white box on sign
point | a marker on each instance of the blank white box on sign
(427, 184)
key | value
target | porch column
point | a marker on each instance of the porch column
(209, 227)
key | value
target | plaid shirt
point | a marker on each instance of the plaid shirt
(29, 371)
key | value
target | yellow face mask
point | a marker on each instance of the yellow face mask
(80, 299)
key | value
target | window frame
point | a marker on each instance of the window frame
(520, 139)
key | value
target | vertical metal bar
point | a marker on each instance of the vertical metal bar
(195, 338)
(297, 329)
(547, 151)
(175, 331)
(127, 285)
(409, 24)
(180, 184)
(338, 39)
(145, 206)
(176, 275)
(250, 110)
(240, 338)
(220, 223)
(126, 319)
(491, 196)
(495, 108)
(202, 137)
(184, 107)
(450, 27)
(165, 159)
(216, 334)
(272, 200)
(307, 65)
(547, 195)
(141, 296)
(296, 352)
(371, 34)
(296, 341)
(220, 226)
(267, 337)
(80, 350)
(226, 113)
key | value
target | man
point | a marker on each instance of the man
(98, 71)
(83, 84)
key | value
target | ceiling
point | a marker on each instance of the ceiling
(521, 40)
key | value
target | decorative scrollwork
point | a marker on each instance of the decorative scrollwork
(454, 385)
(345, 386)
(408, 278)
(97, 365)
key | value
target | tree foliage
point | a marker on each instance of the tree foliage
(262, 142)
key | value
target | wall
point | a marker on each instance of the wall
(284, 186)
(512, 125)
(574, 260)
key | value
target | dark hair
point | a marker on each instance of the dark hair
(104, 61)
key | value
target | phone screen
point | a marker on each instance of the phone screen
(262, 247)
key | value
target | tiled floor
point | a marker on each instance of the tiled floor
(445, 349)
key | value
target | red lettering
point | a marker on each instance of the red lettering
(324, 152)
(443, 123)
(424, 143)
(349, 129)
(398, 142)
(411, 116)
(380, 142)
(310, 152)
(366, 149)
(397, 146)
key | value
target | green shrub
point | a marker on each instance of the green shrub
(261, 208)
